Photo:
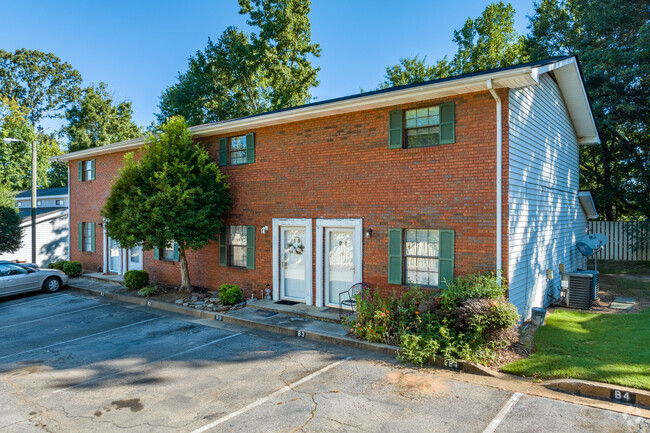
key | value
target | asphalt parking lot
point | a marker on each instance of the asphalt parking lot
(70, 363)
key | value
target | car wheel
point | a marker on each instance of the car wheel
(51, 285)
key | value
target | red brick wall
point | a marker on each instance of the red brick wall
(340, 167)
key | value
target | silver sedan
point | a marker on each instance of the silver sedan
(18, 278)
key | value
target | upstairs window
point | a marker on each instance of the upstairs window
(237, 150)
(59, 202)
(423, 127)
(86, 170)
(39, 203)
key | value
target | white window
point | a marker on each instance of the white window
(87, 240)
(423, 127)
(238, 243)
(59, 202)
(168, 252)
(19, 204)
(88, 172)
(421, 253)
(39, 203)
(238, 150)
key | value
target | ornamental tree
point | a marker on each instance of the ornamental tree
(174, 193)
(10, 233)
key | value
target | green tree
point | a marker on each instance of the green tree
(243, 74)
(612, 40)
(95, 120)
(487, 42)
(16, 157)
(10, 233)
(40, 82)
(174, 193)
(415, 70)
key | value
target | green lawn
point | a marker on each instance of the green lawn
(611, 348)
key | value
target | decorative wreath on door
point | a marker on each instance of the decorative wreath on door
(295, 246)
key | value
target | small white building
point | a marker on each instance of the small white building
(52, 226)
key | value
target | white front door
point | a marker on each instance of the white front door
(340, 271)
(294, 261)
(135, 258)
(114, 256)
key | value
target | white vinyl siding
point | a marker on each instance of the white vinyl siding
(545, 217)
(51, 241)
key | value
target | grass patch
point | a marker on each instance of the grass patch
(610, 348)
(622, 267)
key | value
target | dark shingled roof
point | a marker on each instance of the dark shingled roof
(26, 213)
(45, 192)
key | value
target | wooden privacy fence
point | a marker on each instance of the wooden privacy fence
(622, 236)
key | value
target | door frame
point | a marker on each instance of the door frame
(129, 264)
(293, 222)
(106, 254)
(321, 224)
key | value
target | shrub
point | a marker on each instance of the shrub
(72, 269)
(229, 294)
(471, 286)
(148, 290)
(57, 265)
(136, 280)
(418, 349)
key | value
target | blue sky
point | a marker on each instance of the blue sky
(138, 47)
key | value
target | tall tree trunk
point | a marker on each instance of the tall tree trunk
(185, 270)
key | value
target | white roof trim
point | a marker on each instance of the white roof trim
(510, 78)
(588, 205)
(44, 217)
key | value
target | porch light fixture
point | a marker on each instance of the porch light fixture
(368, 233)
(264, 230)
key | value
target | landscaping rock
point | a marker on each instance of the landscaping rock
(213, 299)
(241, 304)
(223, 308)
(178, 301)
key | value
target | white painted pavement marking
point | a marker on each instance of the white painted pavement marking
(491, 428)
(269, 397)
(150, 362)
(78, 338)
(54, 315)
(42, 298)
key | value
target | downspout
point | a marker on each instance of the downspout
(499, 235)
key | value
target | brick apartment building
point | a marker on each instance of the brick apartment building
(388, 187)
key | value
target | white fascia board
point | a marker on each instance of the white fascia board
(588, 205)
(572, 86)
(42, 218)
(471, 84)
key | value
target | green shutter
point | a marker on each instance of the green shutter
(223, 247)
(250, 247)
(250, 148)
(92, 169)
(223, 152)
(156, 253)
(176, 254)
(395, 129)
(395, 256)
(446, 265)
(447, 126)
(81, 236)
(80, 165)
(92, 237)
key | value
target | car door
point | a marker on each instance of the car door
(18, 279)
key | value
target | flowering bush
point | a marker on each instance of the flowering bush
(470, 320)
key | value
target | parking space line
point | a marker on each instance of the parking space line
(491, 428)
(150, 362)
(269, 397)
(42, 298)
(79, 338)
(54, 315)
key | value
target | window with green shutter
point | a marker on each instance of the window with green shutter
(237, 247)
(237, 150)
(421, 256)
(223, 246)
(86, 233)
(86, 170)
(429, 126)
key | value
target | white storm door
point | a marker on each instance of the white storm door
(294, 261)
(135, 258)
(114, 256)
(340, 270)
